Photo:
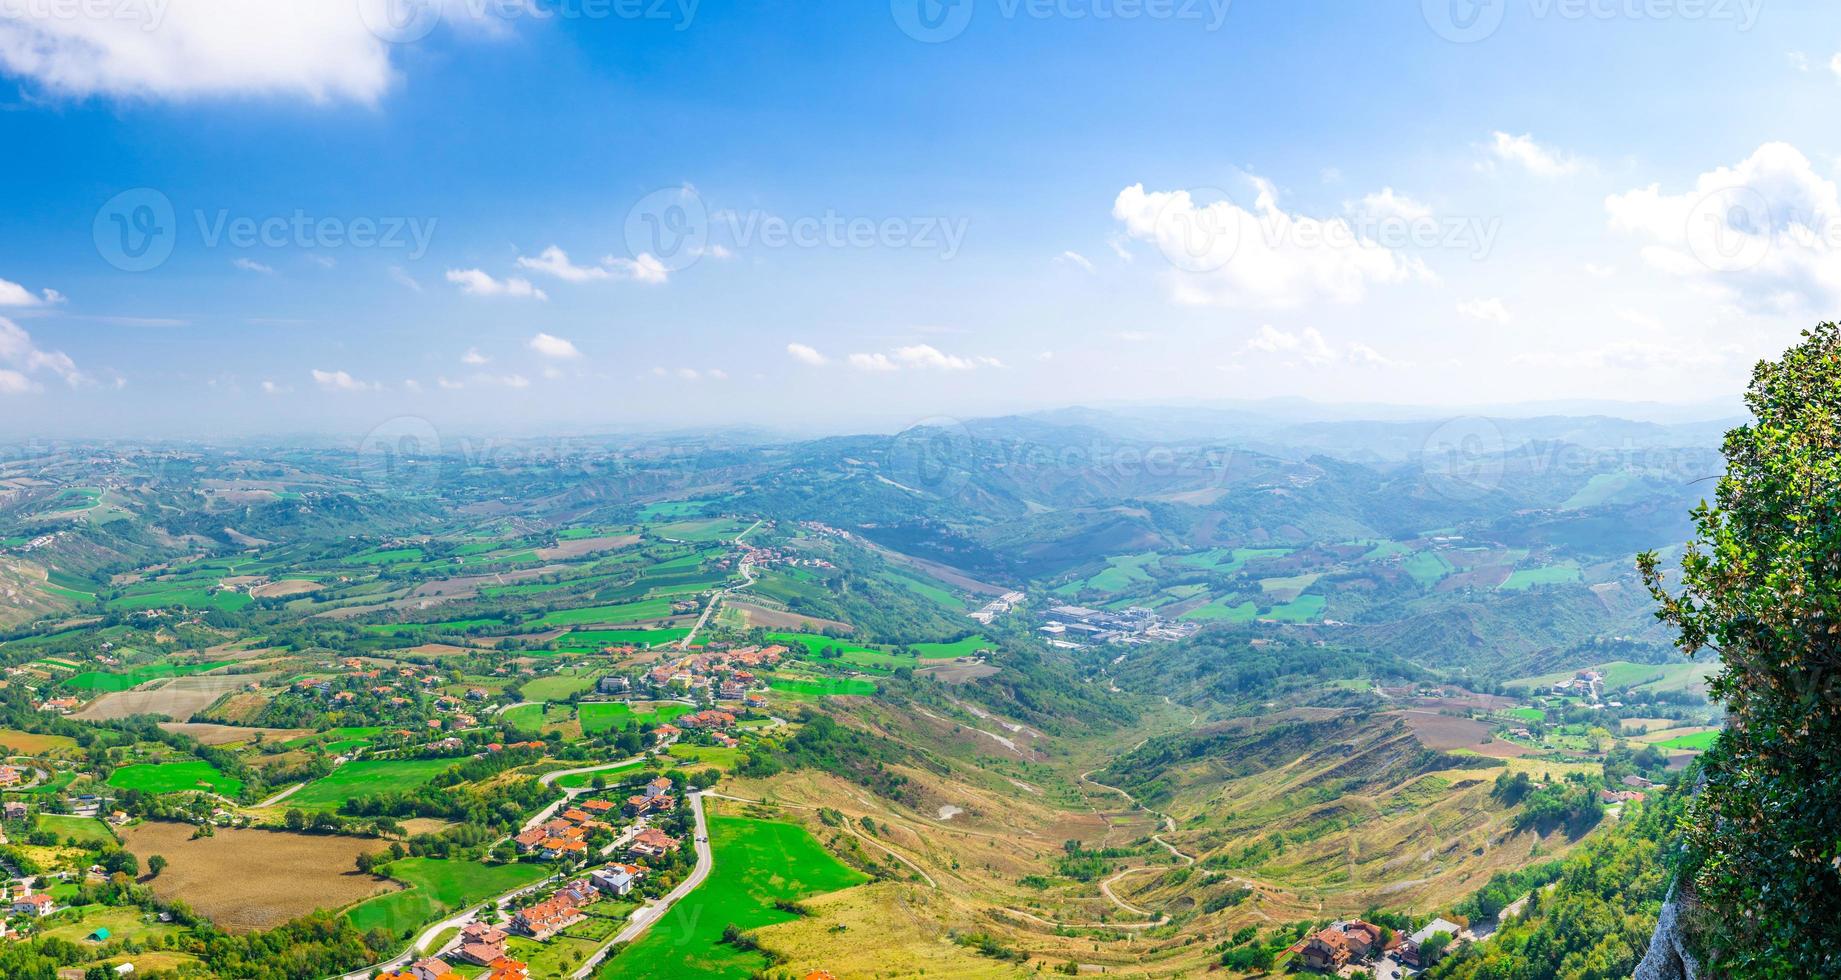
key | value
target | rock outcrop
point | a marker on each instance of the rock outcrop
(1668, 957)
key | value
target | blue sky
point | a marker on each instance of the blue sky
(988, 223)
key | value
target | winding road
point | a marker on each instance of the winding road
(746, 568)
(643, 918)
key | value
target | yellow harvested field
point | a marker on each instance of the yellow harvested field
(298, 872)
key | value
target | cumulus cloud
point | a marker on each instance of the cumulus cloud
(20, 358)
(1259, 258)
(1309, 347)
(920, 357)
(554, 347)
(1490, 310)
(474, 357)
(1764, 234)
(553, 261)
(312, 49)
(475, 282)
(1386, 205)
(1541, 161)
(807, 355)
(13, 294)
(340, 381)
(872, 362)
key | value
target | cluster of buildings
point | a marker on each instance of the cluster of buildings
(433, 968)
(724, 675)
(997, 607)
(1354, 942)
(1072, 627)
(656, 798)
(566, 834)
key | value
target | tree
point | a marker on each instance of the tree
(294, 819)
(155, 865)
(1434, 947)
(1761, 587)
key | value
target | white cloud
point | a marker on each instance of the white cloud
(474, 357)
(1264, 258)
(553, 261)
(1490, 309)
(404, 279)
(647, 268)
(412, 386)
(1308, 347)
(323, 261)
(1764, 234)
(197, 49)
(1385, 205)
(716, 374)
(554, 347)
(1834, 65)
(920, 357)
(24, 358)
(1634, 356)
(807, 355)
(13, 294)
(1799, 60)
(1076, 258)
(14, 383)
(1120, 245)
(1599, 271)
(251, 265)
(449, 383)
(340, 381)
(1541, 161)
(475, 282)
(269, 387)
(872, 362)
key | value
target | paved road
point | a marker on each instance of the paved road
(747, 570)
(455, 922)
(643, 919)
(284, 794)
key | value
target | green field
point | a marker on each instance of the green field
(192, 597)
(1527, 578)
(599, 716)
(99, 681)
(1228, 560)
(1426, 567)
(557, 687)
(626, 612)
(437, 886)
(824, 688)
(1123, 572)
(810, 646)
(958, 648)
(1527, 714)
(172, 777)
(595, 639)
(87, 830)
(1699, 742)
(1224, 610)
(1303, 609)
(367, 776)
(758, 863)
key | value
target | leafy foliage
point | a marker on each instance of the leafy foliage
(1762, 587)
